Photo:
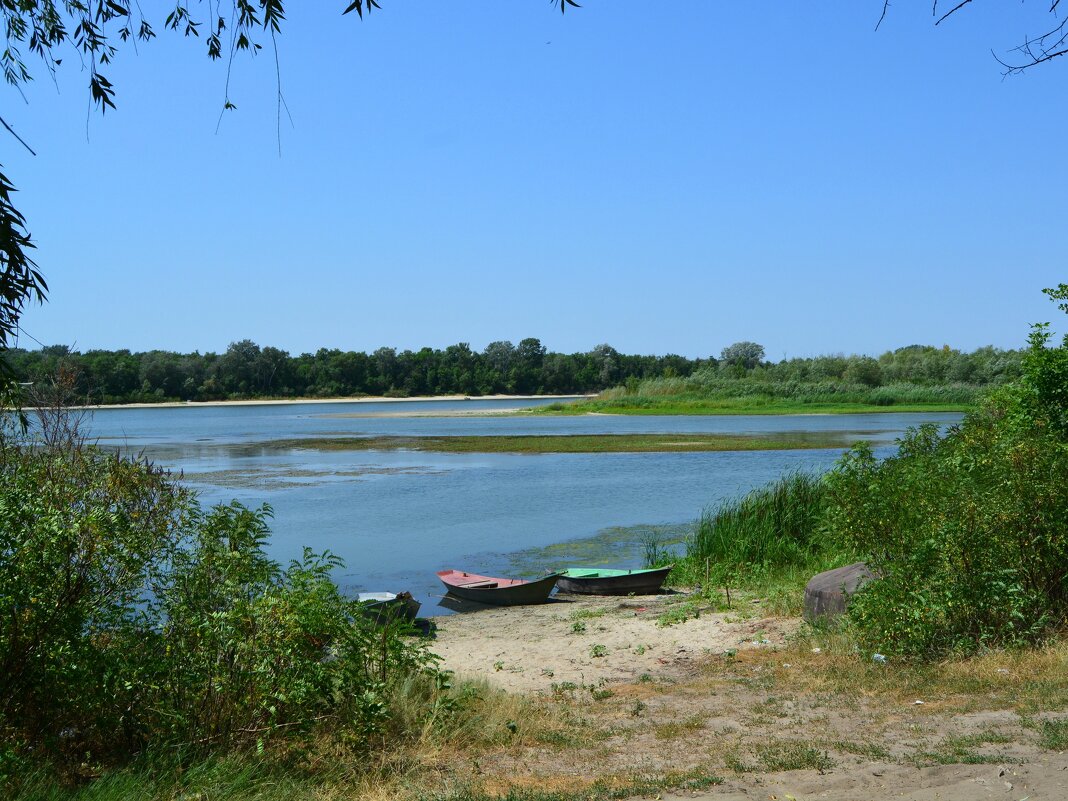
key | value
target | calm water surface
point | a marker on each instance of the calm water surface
(395, 517)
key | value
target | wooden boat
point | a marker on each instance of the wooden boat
(606, 581)
(497, 591)
(385, 607)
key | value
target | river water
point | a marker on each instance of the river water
(395, 517)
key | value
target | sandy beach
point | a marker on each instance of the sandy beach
(532, 648)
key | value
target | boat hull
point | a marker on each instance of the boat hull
(497, 592)
(382, 610)
(613, 582)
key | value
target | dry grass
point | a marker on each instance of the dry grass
(1025, 681)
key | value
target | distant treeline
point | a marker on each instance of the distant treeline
(247, 370)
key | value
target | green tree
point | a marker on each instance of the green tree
(530, 357)
(1045, 371)
(746, 354)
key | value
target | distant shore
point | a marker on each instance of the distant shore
(293, 401)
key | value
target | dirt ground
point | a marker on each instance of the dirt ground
(650, 689)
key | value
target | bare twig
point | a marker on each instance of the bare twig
(886, 6)
(11, 131)
(953, 10)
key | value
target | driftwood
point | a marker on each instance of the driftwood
(828, 593)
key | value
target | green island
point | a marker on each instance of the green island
(577, 443)
(606, 403)
(824, 385)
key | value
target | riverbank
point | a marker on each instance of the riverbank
(728, 704)
(740, 406)
(296, 401)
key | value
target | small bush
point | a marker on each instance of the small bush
(967, 533)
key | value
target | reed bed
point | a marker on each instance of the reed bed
(711, 392)
(775, 529)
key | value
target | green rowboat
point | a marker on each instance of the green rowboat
(607, 581)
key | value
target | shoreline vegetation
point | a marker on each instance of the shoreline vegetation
(739, 406)
(567, 406)
(740, 381)
(753, 392)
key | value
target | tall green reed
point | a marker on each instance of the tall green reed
(773, 526)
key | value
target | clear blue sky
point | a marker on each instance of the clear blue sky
(663, 177)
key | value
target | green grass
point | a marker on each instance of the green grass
(578, 443)
(718, 394)
(963, 750)
(773, 526)
(737, 406)
(582, 614)
(868, 750)
(679, 613)
(229, 779)
(778, 755)
(674, 729)
(1053, 736)
(792, 755)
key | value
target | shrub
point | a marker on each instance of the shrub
(967, 533)
(81, 536)
(131, 619)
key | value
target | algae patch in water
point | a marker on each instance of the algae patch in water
(617, 546)
(286, 478)
(576, 443)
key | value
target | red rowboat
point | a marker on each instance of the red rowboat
(498, 591)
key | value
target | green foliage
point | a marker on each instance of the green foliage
(746, 355)
(656, 552)
(131, 619)
(1045, 373)
(81, 536)
(20, 282)
(914, 375)
(1053, 735)
(966, 531)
